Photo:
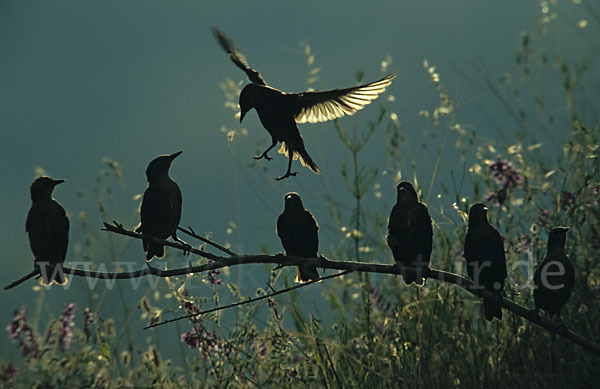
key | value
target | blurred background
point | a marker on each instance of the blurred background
(91, 92)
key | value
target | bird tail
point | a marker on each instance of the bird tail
(305, 273)
(153, 249)
(52, 274)
(492, 309)
(411, 276)
(305, 159)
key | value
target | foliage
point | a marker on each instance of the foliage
(381, 333)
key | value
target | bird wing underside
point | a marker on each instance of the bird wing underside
(237, 57)
(320, 106)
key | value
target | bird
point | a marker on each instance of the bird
(555, 276)
(161, 206)
(486, 262)
(410, 233)
(47, 226)
(299, 234)
(279, 112)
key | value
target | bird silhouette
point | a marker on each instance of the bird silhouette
(48, 228)
(299, 234)
(279, 112)
(486, 262)
(555, 276)
(410, 233)
(161, 206)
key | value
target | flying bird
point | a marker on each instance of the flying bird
(279, 112)
(410, 233)
(554, 278)
(486, 262)
(48, 228)
(161, 206)
(299, 234)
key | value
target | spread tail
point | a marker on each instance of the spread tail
(305, 159)
(306, 273)
(411, 276)
(50, 274)
(154, 249)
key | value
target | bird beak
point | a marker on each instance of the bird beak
(175, 155)
(56, 182)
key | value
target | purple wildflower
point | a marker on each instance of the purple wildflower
(273, 305)
(213, 280)
(503, 172)
(379, 301)
(19, 330)
(88, 319)
(543, 219)
(65, 333)
(566, 200)
(8, 373)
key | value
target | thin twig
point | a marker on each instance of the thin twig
(118, 229)
(22, 279)
(193, 234)
(248, 301)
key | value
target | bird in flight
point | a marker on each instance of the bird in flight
(299, 234)
(410, 233)
(279, 112)
(48, 228)
(555, 276)
(161, 206)
(486, 262)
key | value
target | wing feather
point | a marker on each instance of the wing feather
(320, 106)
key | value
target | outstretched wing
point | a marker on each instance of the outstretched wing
(320, 106)
(237, 57)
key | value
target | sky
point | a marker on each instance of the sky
(130, 80)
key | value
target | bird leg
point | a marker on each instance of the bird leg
(289, 169)
(264, 153)
(187, 247)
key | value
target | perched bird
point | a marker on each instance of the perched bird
(486, 263)
(161, 206)
(299, 234)
(410, 233)
(48, 228)
(554, 278)
(279, 111)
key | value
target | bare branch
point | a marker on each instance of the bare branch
(193, 234)
(247, 301)
(322, 262)
(22, 279)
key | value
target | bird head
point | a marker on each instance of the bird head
(43, 187)
(557, 238)
(478, 213)
(248, 99)
(293, 201)
(159, 167)
(406, 193)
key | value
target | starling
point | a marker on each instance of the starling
(554, 278)
(48, 228)
(299, 234)
(486, 263)
(161, 206)
(279, 111)
(410, 233)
